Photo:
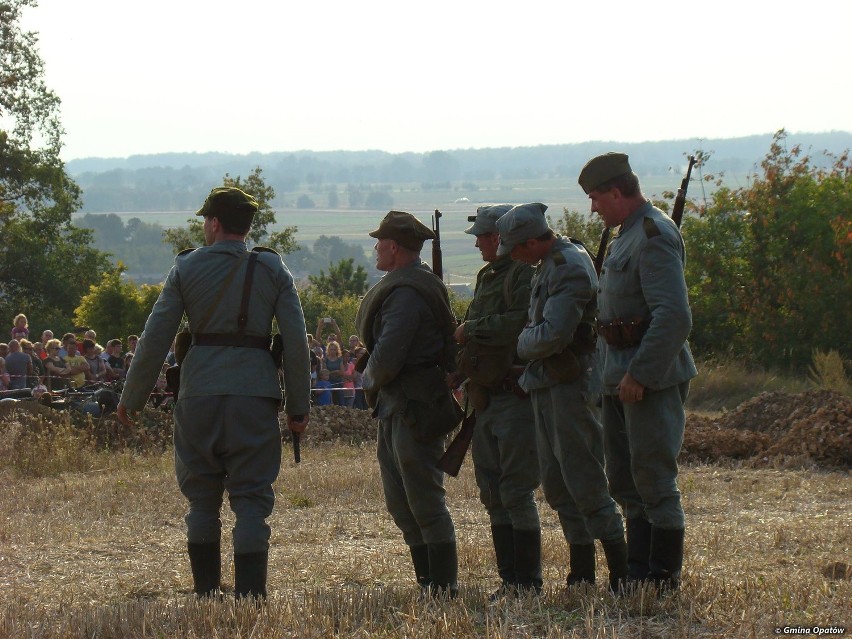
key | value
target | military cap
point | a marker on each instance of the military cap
(602, 169)
(405, 229)
(521, 223)
(485, 219)
(229, 203)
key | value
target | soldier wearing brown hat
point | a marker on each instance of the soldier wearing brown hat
(407, 326)
(227, 436)
(644, 320)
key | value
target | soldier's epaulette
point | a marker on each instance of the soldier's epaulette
(185, 251)
(265, 249)
(650, 227)
(558, 258)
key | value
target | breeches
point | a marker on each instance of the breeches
(506, 462)
(643, 441)
(233, 443)
(571, 460)
(413, 486)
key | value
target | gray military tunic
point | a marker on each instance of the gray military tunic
(226, 424)
(403, 369)
(503, 445)
(642, 277)
(569, 436)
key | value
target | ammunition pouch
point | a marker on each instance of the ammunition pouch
(621, 334)
(183, 340)
(486, 365)
(173, 380)
(565, 367)
(431, 408)
(277, 350)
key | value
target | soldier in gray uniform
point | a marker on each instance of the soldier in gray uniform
(407, 326)
(503, 444)
(644, 322)
(559, 343)
(226, 416)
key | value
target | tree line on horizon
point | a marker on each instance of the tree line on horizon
(364, 179)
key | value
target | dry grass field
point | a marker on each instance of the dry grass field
(92, 545)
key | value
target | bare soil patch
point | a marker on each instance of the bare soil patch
(776, 429)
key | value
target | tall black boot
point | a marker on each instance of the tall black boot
(504, 550)
(206, 564)
(420, 559)
(528, 560)
(638, 550)
(666, 559)
(250, 575)
(443, 568)
(582, 564)
(615, 551)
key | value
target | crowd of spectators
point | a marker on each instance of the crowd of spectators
(75, 361)
(56, 364)
(333, 375)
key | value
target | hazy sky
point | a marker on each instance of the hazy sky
(258, 75)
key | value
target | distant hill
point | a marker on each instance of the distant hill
(179, 181)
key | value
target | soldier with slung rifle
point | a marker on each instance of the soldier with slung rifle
(644, 322)
(407, 326)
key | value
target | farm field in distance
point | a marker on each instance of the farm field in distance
(461, 259)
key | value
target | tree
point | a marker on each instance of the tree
(115, 307)
(586, 227)
(47, 263)
(305, 202)
(768, 264)
(342, 279)
(283, 241)
(379, 200)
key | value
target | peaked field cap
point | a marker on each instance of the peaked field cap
(603, 168)
(521, 223)
(404, 229)
(485, 220)
(228, 201)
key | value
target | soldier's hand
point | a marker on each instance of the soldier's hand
(629, 390)
(297, 423)
(459, 335)
(124, 415)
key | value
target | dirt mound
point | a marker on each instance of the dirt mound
(776, 429)
(773, 429)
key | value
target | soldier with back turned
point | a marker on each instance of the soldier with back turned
(227, 436)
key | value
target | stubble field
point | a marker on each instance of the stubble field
(99, 552)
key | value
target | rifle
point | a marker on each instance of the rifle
(453, 457)
(680, 200)
(599, 256)
(437, 256)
